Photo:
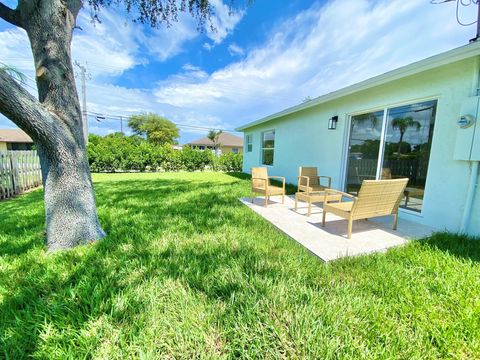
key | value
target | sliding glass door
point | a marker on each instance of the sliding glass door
(392, 146)
(364, 149)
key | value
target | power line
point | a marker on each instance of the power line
(101, 116)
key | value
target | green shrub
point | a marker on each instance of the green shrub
(117, 152)
(230, 162)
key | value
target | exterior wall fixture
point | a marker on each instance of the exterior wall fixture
(332, 123)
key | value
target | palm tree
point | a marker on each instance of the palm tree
(402, 124)
(213, 135)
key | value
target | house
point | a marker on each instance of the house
(14, 139)
(228, 143)
(418, 121)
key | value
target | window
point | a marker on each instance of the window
(248, 139)
(201, 147)
(268, 145)
(235, 150)
(393, 143)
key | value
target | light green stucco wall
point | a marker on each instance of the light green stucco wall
(303, 139)
(3, 146)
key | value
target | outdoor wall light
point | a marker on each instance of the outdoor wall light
(332, 123)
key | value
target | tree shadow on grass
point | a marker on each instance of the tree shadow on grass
(460, 246)
(63, 294)
(43, 297)
(22, 222)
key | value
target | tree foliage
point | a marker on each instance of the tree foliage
(53, 119)
(157, 12)
(155, 128)
(214, 136)
(402, 124)
(117, 153)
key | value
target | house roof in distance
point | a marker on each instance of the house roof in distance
(14, 136)
(225, 139)
(448, 57)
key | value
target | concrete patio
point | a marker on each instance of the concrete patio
(331, 242)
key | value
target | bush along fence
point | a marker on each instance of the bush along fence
(117, 153)
(19, 171)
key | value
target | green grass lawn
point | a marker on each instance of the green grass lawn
(187, 271)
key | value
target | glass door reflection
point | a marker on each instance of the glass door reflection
(363, 150)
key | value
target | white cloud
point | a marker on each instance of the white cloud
(313, 52)
(207, 46)
(235, 50)
(224, 21)
(316, 51)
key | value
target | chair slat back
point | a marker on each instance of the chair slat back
(379, 197)
(259, 173)
(311, 172)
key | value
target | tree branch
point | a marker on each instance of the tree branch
(10, 15)
(24, 110)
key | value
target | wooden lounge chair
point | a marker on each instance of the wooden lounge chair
(375, 198)
(261, 184)
(309, 180)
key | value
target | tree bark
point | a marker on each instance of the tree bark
(54, 121)
(400, 145)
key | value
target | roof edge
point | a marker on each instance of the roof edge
(432, 62)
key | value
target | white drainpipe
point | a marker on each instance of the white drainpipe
(472, 185)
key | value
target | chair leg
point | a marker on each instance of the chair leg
(296, 202)
(309, 208)
(324, 213)
(266, 200)
(253, 196)
(283, 198)
(395, 221)
(350, 223)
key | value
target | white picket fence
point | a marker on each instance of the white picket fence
(19, 171)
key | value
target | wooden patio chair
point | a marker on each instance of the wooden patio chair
(375, 198)
(261, 184)
(309, 180)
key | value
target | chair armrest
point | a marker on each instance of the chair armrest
(326, 177)
(337, 192)
(303, 177)
(278, 177)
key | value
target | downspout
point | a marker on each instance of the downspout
(472, 184)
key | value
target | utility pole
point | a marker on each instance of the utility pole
(478, 21)
(477, 36)
(121, 124)
(83, 75)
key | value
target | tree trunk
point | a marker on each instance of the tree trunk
(70, 209)
(400, 145)
(54, 122)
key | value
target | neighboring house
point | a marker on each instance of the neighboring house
(228, 143)
(14, 139)
(418, 121)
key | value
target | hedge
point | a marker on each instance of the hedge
(117, 153)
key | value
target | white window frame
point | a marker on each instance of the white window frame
(249, 142)
(262, 135)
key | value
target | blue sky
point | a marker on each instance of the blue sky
(262, 58)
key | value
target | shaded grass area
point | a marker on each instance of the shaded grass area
(187, 271)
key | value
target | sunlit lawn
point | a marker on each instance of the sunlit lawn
(187, 271)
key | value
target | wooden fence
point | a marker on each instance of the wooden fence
(19, 171)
